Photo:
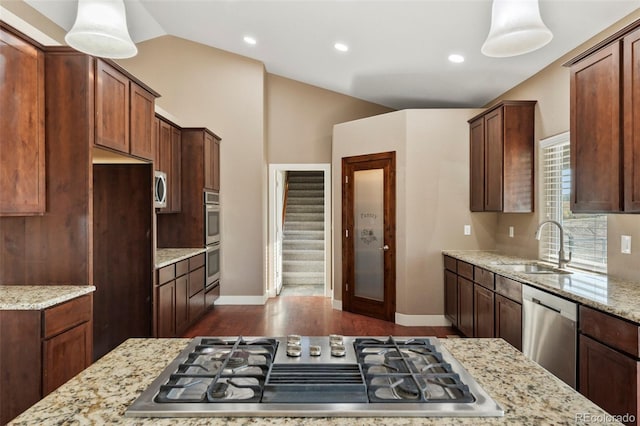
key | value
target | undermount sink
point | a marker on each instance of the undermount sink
(534, 268)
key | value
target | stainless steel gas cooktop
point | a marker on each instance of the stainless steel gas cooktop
(299, 376)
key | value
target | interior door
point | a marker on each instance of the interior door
(368, 235)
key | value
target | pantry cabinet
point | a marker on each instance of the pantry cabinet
(40, 350)
(604, 123)
(124, 113)
(22, 149)
(501, 158)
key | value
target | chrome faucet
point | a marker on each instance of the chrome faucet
(562, 261)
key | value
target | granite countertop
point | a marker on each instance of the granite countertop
(101, 394)
(37, 297)
(600, 291)
(167, 256)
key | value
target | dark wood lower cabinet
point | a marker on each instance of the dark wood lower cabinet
(609, 378)
(465, 306)
(180, 296)
(451, 297)
(40, 350)
(483, 323)
(508, 321)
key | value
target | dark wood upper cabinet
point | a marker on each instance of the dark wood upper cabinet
(605, 125)
(142, 136)
(124, 113)
(22, 106)
(212, 162)
(631, 90)
(169, 161)
(501, 158)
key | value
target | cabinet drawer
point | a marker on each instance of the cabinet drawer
(182, 267)
(465, 269)
(196, 281)
(66, 315)
(509, 288)
(196, 262)
(450, 263)
(483, 277)
(166, 273)
(615, 332)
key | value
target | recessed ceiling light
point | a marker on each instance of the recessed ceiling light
(456, 59)
(250, 40)
(341, 47)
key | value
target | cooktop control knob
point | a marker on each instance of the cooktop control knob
(336, 339)
(294, 339)
(294, 350)
(315, 350)
(338, 350)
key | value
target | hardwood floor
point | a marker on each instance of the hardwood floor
(307, 316)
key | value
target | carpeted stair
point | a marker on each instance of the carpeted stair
(303, 239)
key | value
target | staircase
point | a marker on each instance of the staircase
(303, 238)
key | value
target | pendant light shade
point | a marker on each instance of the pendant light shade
(516, 29)
(101, 30)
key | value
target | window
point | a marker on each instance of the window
(585, 234)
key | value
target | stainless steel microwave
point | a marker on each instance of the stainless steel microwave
(159, 189)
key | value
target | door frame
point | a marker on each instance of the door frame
(387, 310)
(275, 224)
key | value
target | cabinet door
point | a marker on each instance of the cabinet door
(483, 320)
(142, 121)
(164, 163)
(595, 132)
(196, 306)
(476, 195)
(112, 108)
(493, 146)
(166, 310)
(608, 378)
(182, 302)
(22, 148)
(508, 321)
(65, 355)
(216, 165)
(465, 306)
(631, 92)
(209, 166)
(451, 297)
(175, 178)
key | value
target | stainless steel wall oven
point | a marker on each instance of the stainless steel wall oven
(212, 240)
(211, 217)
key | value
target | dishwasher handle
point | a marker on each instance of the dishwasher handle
(538, 302)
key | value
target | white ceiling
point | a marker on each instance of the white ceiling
(398, 48)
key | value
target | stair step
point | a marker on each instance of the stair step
(305, 208)
(303, 235)
(317, 255)
(302, 266)
(305, 193)
(308, 278)
(296, 186)
(303, 245)
(304, 217)
(305, 201)
(303, 226)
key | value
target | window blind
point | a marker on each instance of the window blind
(585, 234)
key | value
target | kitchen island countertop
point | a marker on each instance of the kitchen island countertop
(167, 256)
(101, 394)
(37, 297)
(601, 291)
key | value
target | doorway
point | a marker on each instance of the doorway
(300, 246)
(368, 235)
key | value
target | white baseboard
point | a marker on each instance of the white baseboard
(422, 320)
(336, 304)
(241, 300)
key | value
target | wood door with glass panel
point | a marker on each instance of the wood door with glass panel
(368, 235)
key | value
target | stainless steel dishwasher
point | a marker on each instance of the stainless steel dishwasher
(549, 332)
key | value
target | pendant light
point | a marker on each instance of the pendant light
(101, 30)
(516, 29)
